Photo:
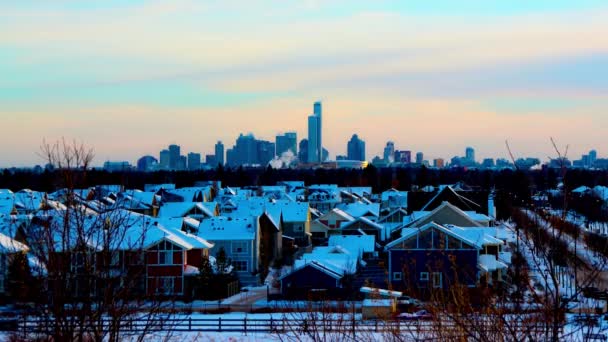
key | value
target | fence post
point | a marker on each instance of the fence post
(271, 329)
(219, 324)
(245, 324)
(376, 323)
(190, 323)
(353, 325)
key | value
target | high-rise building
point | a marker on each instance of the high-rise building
(438, 163)
(165, 157)
(315, 135)
(389, 152)
(355, 149)
(146, 163)
(403, 157)
(287, 142)
(592, 157)
(419, 158)
(210, 160)
(174, 156)
(219, 154)
(303, 151)
(194, 161)
(182, 163)
(265, 152)
(470, 154)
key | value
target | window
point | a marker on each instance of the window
(397, 276)
(240, 265)
(239, 247)
(437, 280)
(165, 285)
(297, 228)
(424, 276)
(165, 257)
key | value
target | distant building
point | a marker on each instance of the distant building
(315, 135)
(303, 152)
(219, 154)
(419, 158)
(403, 157)
(265, 152)
(355, 148)
(117, 166)
(592, 157)
(439, 163)
(194, 161)
(182, 163)
(341, 157)
(165, 156)
(286, 142)
(146, 163)
(211, 161)
(470, 154)
(174, 156)
(389, 152)
(488, 163)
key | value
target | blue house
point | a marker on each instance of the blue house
(432, 257)
(309, 278)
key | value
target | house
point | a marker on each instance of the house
(190, 194)
(393, 199)
(364, 226)
(432, 257)
(435, 256)
(240, 240)
(323, 197)
(28, 201)
(146, 203)
(295, 220)
(464, 198)
(320, 274)
(8, 248)
(328, 224)
(7, 202)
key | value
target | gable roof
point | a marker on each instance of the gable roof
(181, 209)
(408, 233)
(422, 218)
(358, 209)
(364, 220)
(316, 265)
(448, 194)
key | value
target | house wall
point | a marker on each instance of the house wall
(298, 283)
(446, 216)
(456, 267)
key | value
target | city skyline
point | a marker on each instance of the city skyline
(128, 79)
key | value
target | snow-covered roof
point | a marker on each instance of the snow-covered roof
(180, 209)
(227, 228)
(407, 233)
(480, 235)
(581, 189)
(28, 200)
(190, 194)
(381, 292)
(10, 245)
(355, 244)
(158, 187)
(291, 211)
(488, 263)
(358, 209)
(418, 216)
(317, 265)
(136, 199)
(365, 220)
(334, 259)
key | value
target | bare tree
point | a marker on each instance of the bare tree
(90, 265)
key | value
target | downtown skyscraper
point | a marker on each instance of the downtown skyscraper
(315, 133)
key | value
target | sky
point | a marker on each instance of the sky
(128, 78)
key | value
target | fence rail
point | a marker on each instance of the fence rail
(287, 324)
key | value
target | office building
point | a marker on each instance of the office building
(174, 156)
(315, 135)
(355, 149)
(470, 154)
(194, 161)
(419, 158)
(286, 142)
(219, 154)
(165, 157)
(389, 152)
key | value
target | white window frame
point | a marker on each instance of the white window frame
(437, 284)
(165, 285)
(168, 257)
(397, 276)
(239, 244)
(240, 262)
(424, 276)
